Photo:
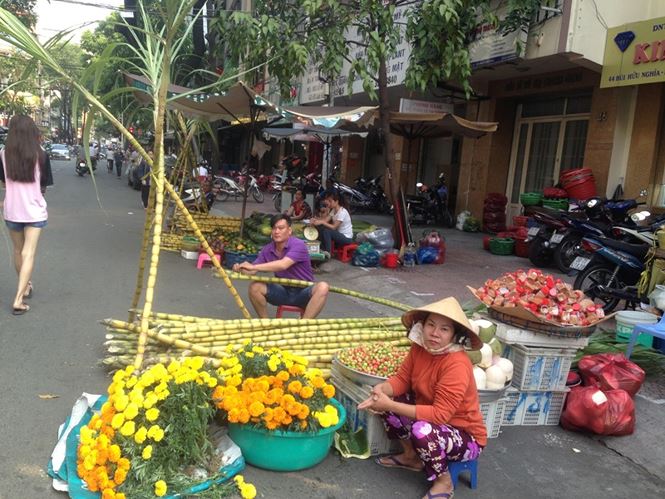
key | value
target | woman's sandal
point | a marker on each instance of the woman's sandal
(20, 310)
(441, 495)
(393, 462)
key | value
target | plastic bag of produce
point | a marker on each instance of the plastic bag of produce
(461, 218)
(426, 255)
(611, 371)
(610, 412)
(381, 238)
(365, 256)
(471, 224)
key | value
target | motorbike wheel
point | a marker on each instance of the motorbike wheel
(222, 195)
(80, 173)
(539, 254)
(278, 201)
(592, 277)
(566, 251)
(257, 195)
(448, 219)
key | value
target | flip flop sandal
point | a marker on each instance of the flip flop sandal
(394, 463)
(442, 495)
(20, 311)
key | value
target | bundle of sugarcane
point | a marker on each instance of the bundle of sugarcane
(318, 340)
(170, 242)
(206, 223)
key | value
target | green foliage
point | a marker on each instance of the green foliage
(24, 10)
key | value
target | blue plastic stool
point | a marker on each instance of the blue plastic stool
(655, 330)
(457, 467)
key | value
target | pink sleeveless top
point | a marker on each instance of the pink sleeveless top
(24, 201)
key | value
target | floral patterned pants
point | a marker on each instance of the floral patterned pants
(434, 444)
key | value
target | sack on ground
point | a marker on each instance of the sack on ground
(365, 256)
(610, 412)
(611, 371)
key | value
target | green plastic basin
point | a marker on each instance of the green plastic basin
(285, 450)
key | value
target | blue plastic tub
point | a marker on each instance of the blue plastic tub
(233, 257)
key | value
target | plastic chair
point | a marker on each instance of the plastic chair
(457, 467)
(345, 253)
(656, 330)
(204, 257)
(289, 308)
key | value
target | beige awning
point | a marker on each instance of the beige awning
(430, 125)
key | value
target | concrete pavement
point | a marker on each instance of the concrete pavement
(86, 268)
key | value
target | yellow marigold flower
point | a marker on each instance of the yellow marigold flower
(318, 382)
(90, 461)
(256, 409)
(131, 411)
(306, 392)
(114, 453)
(324, 419)
(152, 414)
(150, 400)
(162, 386)
(128, 428)
(103, 442)
(136, 397)
(163, 395)
(157, 434)
(173, 366)
(95, 422)
(119, 375)
(197, 363)
(85, 435)
(239, 479)
(313, 372)
(83, 451)
(108, 494)
(282, 375)
(147, 452)
(129, 370)
(330, 409)
(120, 402)
(257, 349)
(246, 342)
(248, 491)
(288, 363)
(329, 391)
(249, 355)
(131, 382)
(147, 378)
(160, 488)
(234, 380)
(117, 421)
(120, 495)
(140, 435)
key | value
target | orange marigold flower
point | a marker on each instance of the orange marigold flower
(243, 417)
(318, 382)
(303, 425)
(329, 391)
(295, 386)
(256, 409)
(304, 412)
(108, 494)
(282, 376)
(233, 415)
(287, 420)
(278, 414)
(267, 414)
(306, 392)
(287, 399)
(218, 393)
(124, 463)
(120, 475)
(271, 425)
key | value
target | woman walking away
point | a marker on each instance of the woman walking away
(25, 170)
(431, 405)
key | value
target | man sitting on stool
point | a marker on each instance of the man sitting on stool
(287, 257)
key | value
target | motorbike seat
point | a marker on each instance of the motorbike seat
(637, 250)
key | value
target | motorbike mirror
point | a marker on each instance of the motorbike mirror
(592, 202)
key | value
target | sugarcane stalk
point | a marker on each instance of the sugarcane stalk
(190, 318)
(334, 289)
(303, 338)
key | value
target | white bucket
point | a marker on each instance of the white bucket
(626, 321)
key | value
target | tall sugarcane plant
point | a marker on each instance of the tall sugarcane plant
(157, 44)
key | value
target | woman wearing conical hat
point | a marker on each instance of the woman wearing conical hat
(431, 405)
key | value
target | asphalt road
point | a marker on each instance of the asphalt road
(86, 271)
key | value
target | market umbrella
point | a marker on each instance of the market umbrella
(320, 134)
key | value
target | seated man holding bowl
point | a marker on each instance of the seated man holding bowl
(287, 257)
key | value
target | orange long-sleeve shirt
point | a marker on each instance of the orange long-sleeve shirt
(445, 390)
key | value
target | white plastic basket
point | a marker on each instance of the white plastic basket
(533, 408)
(537, 368)
(513, 335)
(493, 416)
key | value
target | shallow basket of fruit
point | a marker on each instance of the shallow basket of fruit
(371, 363)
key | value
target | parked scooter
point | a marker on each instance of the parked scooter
(422, 208)
(612, 271)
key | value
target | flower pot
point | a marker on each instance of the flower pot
(285, 450)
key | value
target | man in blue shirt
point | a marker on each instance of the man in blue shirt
(287, 257)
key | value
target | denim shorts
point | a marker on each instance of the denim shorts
(288, 295)
(19, 226)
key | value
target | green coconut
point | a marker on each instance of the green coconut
(475, 356)
(486, 330)
(496, 346)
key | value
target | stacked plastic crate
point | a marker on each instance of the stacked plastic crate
(541, 363)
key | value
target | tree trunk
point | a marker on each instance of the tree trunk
(392, 171)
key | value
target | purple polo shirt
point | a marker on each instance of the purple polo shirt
(296, 250)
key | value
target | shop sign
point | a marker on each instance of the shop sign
(634, 54)
(491, 47)
(423, 107)
(315, 90)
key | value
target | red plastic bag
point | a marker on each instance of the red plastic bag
(604, 413)
(611, 371)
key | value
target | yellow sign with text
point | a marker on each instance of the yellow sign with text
(634, 54)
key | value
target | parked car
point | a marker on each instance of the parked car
(60, 151)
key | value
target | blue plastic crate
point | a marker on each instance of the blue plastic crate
(232, 257)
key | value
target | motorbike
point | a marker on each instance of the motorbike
(422, 208)
(192, 198)
(611, 271)
(226, 186)
(81, 167)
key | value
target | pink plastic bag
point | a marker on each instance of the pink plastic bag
(604, 413)
(611, 371)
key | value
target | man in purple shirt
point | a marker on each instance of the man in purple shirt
(287, 257)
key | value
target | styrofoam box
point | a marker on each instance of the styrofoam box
(350, 395)
(512, 335)
(539, 368)
(533, 408)
(492, 413)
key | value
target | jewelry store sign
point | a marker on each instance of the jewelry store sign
(634, 54)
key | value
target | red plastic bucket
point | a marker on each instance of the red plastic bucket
(580, 184)
(521, 248)
(391, 260)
